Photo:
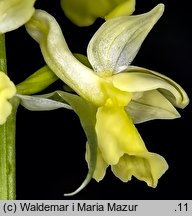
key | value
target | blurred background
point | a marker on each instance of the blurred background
(50, 146)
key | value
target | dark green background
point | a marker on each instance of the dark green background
(51, 145)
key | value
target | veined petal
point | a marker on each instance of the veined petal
(85, 12)
(7, 91)
(151, 105)
(116, 43)
(45, 30)
(15, 13)
(148, 167)
(116, 134)
(144, 80)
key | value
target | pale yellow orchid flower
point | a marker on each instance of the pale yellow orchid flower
(115, 94)
(15, 13)
(7, 91)
(85, 12)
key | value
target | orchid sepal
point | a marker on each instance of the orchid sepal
(46, 31)
(131, 79)
(116, 43)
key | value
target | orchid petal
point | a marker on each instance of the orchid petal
(116, 43)
(151, 105)
(45, 30)
(15, 13)
(141, 80)
(183, 100)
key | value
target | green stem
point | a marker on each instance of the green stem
(3, 61)
(7, 155)
(7, 141)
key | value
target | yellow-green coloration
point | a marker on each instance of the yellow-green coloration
(7, 91)
(37, 82)
(85, 12)
(117, 94)
(15, 13)
(120, 145)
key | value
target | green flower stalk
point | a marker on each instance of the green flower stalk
(8, 107)
(13, 14)
(10, 99)
(85, 12)
(113, 94)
